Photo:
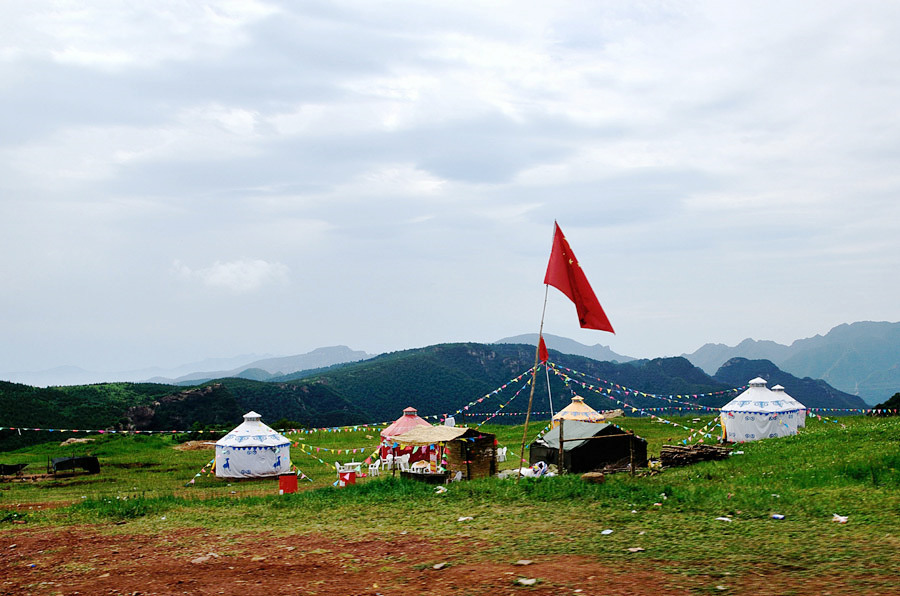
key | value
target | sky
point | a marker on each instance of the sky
(187, 180)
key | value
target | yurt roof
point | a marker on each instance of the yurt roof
(759, 399)
(252, 433)
(779, 390)
(407, 422)
(578, 410)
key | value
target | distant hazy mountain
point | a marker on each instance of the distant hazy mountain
(263, 370)
(250, 366)
(568, 346)
(73, 375)
(812, 393)
(860, 358)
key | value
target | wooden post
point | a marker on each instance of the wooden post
(631, 450)
(561, 457)
(466, 455)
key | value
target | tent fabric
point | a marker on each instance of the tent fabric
(578, 410)
(407, 422)
(252, 450)
(572, 429)
(429, 435)
(760, 413)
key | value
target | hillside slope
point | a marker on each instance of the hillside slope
(441, 379)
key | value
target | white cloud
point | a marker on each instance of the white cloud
(241, 276)
(111, 35)
(429, 146)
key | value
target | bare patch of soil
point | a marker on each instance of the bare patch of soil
(81, 560)
(195, 445)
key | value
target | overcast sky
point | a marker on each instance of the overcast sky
(182, 180)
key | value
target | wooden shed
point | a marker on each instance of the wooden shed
(467, 451)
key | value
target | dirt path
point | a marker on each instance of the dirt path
(81, 560)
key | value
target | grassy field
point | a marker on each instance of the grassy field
(850, 467)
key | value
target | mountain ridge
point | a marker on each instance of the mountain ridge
(475, 381)
(861, 358)
(568, 346)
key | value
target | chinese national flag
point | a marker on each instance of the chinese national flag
(565, 274)
(543, 355)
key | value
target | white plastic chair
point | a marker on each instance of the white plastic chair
(374, 469)
(457, 477)
(404, 465)
(340, 468)
(501, 454)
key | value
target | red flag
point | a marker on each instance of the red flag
(543, 355)
(565, 274)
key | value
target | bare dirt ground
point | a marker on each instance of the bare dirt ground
(82, 560)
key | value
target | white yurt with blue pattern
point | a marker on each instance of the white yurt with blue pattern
(252, 450)
(760, 413)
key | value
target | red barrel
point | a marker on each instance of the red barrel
(287, 483)
(346, 478)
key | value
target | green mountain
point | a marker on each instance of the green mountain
(891, 404)
(148, 406)
(436, 380)
(442, 379)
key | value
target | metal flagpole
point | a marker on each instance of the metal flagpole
(533, 377)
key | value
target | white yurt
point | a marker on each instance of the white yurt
(252, 450)
(760, 413)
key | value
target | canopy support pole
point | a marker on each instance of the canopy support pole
(537, 351)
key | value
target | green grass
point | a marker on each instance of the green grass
(851, 468)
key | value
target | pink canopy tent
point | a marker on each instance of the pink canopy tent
(405, 423)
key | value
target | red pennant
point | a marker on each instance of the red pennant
(542, 350)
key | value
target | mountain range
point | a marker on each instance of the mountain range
(268, 368)
(568, 346)
(859, 358)
(472, 381)
(246, 366)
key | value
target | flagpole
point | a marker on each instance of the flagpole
(537, 350)
(549, 395)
